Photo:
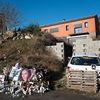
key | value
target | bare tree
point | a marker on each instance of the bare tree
(10, 13)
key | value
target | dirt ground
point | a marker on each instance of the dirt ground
(55, 95)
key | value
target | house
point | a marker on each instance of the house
(89, 24)
(79, 33)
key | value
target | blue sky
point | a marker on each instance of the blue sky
(51, 11)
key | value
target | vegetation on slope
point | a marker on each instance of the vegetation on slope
(29, 52)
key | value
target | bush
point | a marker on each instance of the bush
(28, 52)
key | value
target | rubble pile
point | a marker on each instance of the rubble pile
(21, 81)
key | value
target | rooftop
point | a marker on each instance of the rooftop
(67, 21)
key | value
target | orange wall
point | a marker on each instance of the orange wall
(62, 27)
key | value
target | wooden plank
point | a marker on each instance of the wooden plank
(89, 75)
(89, 80)
(89, 84)
(76, 87)
(72, 83)
(89, 72)
(75, 74)
(83, 78)
(79, 72)
(75, 83)
(75, 78)
(89, 89)
(76, 71)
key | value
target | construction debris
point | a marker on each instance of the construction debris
(22, 81)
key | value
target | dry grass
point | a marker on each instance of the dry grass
(27, 52)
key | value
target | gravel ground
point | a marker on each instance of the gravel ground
(54, 95)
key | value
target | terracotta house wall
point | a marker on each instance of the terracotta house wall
(62, 27)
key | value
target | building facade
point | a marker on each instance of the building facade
(57, 50)
(87, 46)
(61, 50)
(76, 26)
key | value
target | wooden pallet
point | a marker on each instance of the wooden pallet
(82, 80)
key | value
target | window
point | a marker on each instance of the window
(62, 60)
(62, 55)
(77, 25)
(62, 46)
(84, 50)
(78, 28)
(67, 27)
(86, 24)
(62, 50)
(84, 45)
(85, 61)
(52, 30)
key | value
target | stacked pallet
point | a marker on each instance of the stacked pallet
(82, 80)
